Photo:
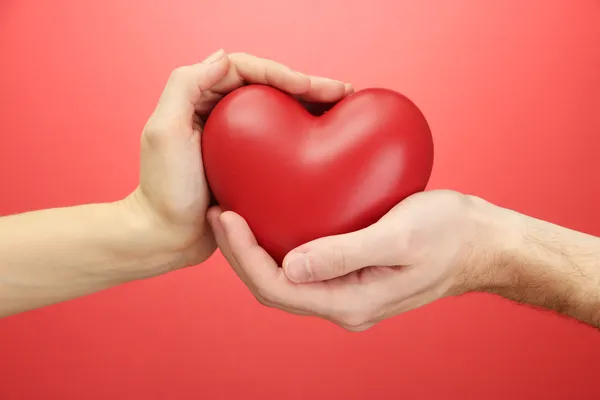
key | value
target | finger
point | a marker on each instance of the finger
(349, 89)
(249, 69)
(213, 217)
(271, 284)
(214, 220)
(335, 256)
(260, 267)
(184, 89)
(324, 90)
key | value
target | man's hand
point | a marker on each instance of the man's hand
(415, 254)
(431, 245)
(173, 192)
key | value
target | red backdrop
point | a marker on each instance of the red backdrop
(511, 90)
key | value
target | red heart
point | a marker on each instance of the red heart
(296, 177)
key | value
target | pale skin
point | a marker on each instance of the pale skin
(55, 255)
(431, 245)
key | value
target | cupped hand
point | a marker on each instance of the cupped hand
(431, 245)
(172, 192)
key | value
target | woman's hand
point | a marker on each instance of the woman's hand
(173, 192)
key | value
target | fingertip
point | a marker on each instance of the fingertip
(348, 88)
(216, 209)
(296, 267)
(219, 66)
(215, 57)
(325, 90)
(209, 73)
(227, 218)
(213, 214)
(236, 226)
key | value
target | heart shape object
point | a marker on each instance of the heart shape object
(295, 177)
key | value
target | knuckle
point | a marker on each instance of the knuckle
(180, 73)
(155, 130)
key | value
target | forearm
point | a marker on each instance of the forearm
(54, 255)
(542, 264)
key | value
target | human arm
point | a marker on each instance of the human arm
(539, 263)
(431, 245)
(48, 256)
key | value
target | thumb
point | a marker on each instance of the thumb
(334, 256)
(183, 91)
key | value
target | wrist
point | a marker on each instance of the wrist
(535, 262)
(155, 246)
(496, 236)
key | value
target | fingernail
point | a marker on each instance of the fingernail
(297, 268)
(216, 56)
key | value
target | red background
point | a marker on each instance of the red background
(511, 90)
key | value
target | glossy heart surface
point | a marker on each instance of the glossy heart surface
(295, 177)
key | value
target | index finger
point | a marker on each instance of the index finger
(270, 281)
